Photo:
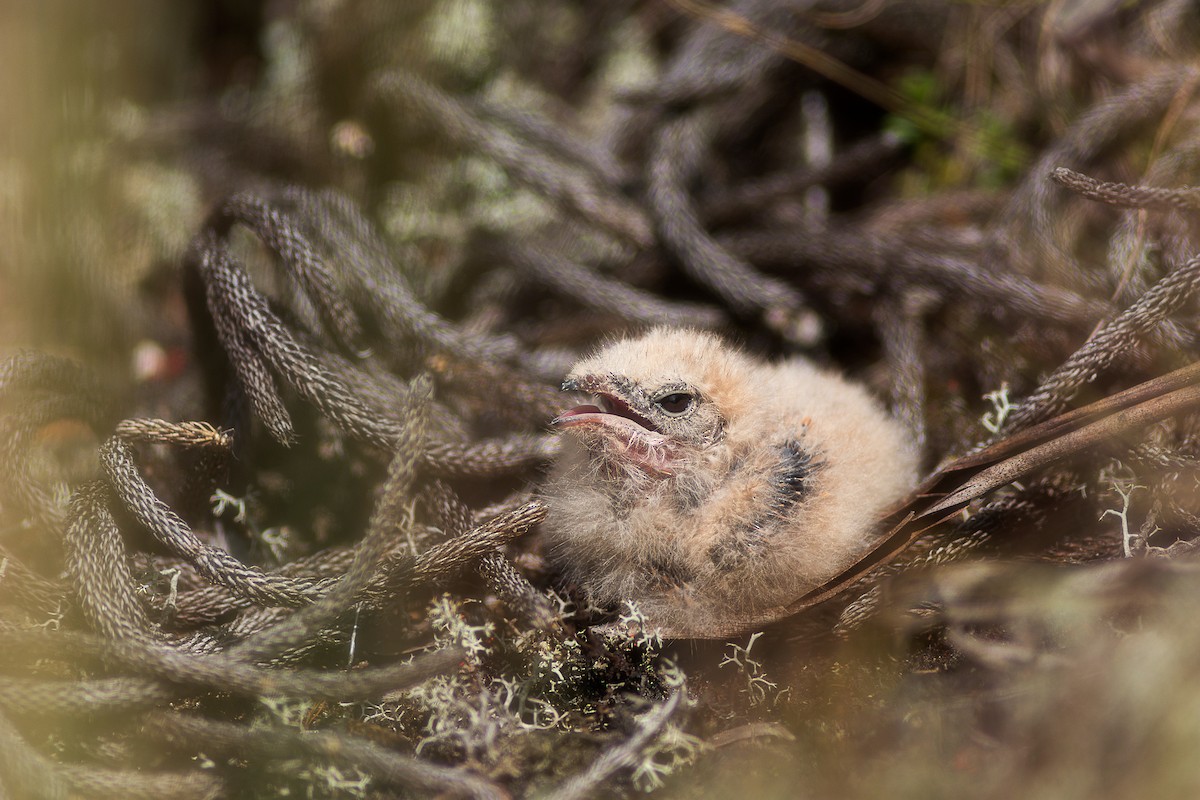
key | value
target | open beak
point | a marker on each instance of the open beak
(608, 410)
(579, 415)
(626, 432)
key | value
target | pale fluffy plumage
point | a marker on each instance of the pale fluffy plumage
(714, 519)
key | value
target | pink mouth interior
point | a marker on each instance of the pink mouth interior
(615, 407)
(640, 441)
(577, 411)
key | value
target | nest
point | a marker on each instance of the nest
(294, 306)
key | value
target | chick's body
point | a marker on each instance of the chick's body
(714, 489)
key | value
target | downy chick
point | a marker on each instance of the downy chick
(712, 488)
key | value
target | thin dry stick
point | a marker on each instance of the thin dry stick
(223, 672)
(677, 157)
(385, 766)
(1185, 198)
(623, 755)
(1111, 342)
(389, 515)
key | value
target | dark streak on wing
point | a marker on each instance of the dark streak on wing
(794, 478)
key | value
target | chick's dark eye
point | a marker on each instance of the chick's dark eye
(676, 403)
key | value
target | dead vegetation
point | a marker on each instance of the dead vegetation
(287, 290)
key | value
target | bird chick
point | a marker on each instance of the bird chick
(712, 488)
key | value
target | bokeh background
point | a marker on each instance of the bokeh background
(867, 184)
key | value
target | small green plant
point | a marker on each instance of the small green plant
(330, 781)
(1125, 490)
(472, 716)
(758, 688)
(634, 625)
(286, 711)
(451, 627)
(222, 501)
(670, 751)
(1001, 407)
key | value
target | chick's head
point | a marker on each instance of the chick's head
(657, 400)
